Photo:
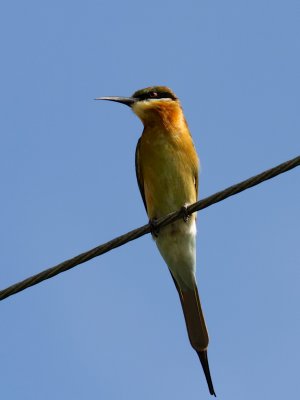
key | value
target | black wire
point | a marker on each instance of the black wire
(136, 233)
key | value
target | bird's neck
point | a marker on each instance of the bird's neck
(164, 116)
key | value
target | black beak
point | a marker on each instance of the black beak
(129, 101)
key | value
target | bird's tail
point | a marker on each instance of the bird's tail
(204, 362)
(196, 328)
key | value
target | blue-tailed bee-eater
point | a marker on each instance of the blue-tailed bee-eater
(167, 169)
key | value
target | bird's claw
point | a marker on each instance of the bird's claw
(153, 227)
(185, 214)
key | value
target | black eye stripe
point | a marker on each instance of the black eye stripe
(155, 95)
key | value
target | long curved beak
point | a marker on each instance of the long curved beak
(128, 101)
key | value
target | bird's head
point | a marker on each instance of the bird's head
(153, 104)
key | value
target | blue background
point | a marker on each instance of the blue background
(113, 328)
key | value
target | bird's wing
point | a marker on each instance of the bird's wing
(196, 170)
(196, 181)
(138, 172)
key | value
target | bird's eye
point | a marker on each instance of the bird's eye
(152, 95)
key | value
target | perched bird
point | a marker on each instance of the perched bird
(167, 168)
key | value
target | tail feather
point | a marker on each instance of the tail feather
(194, 318)
(204, 362)
(196, 328)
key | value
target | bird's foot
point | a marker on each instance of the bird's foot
(185, 215)
(153, 227)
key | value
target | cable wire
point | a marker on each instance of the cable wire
(136, 233)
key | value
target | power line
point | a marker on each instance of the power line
(136, 233)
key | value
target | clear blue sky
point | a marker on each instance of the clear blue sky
(113, 328)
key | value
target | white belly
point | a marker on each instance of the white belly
(177, 245)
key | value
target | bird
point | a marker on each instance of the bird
(167, 169)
